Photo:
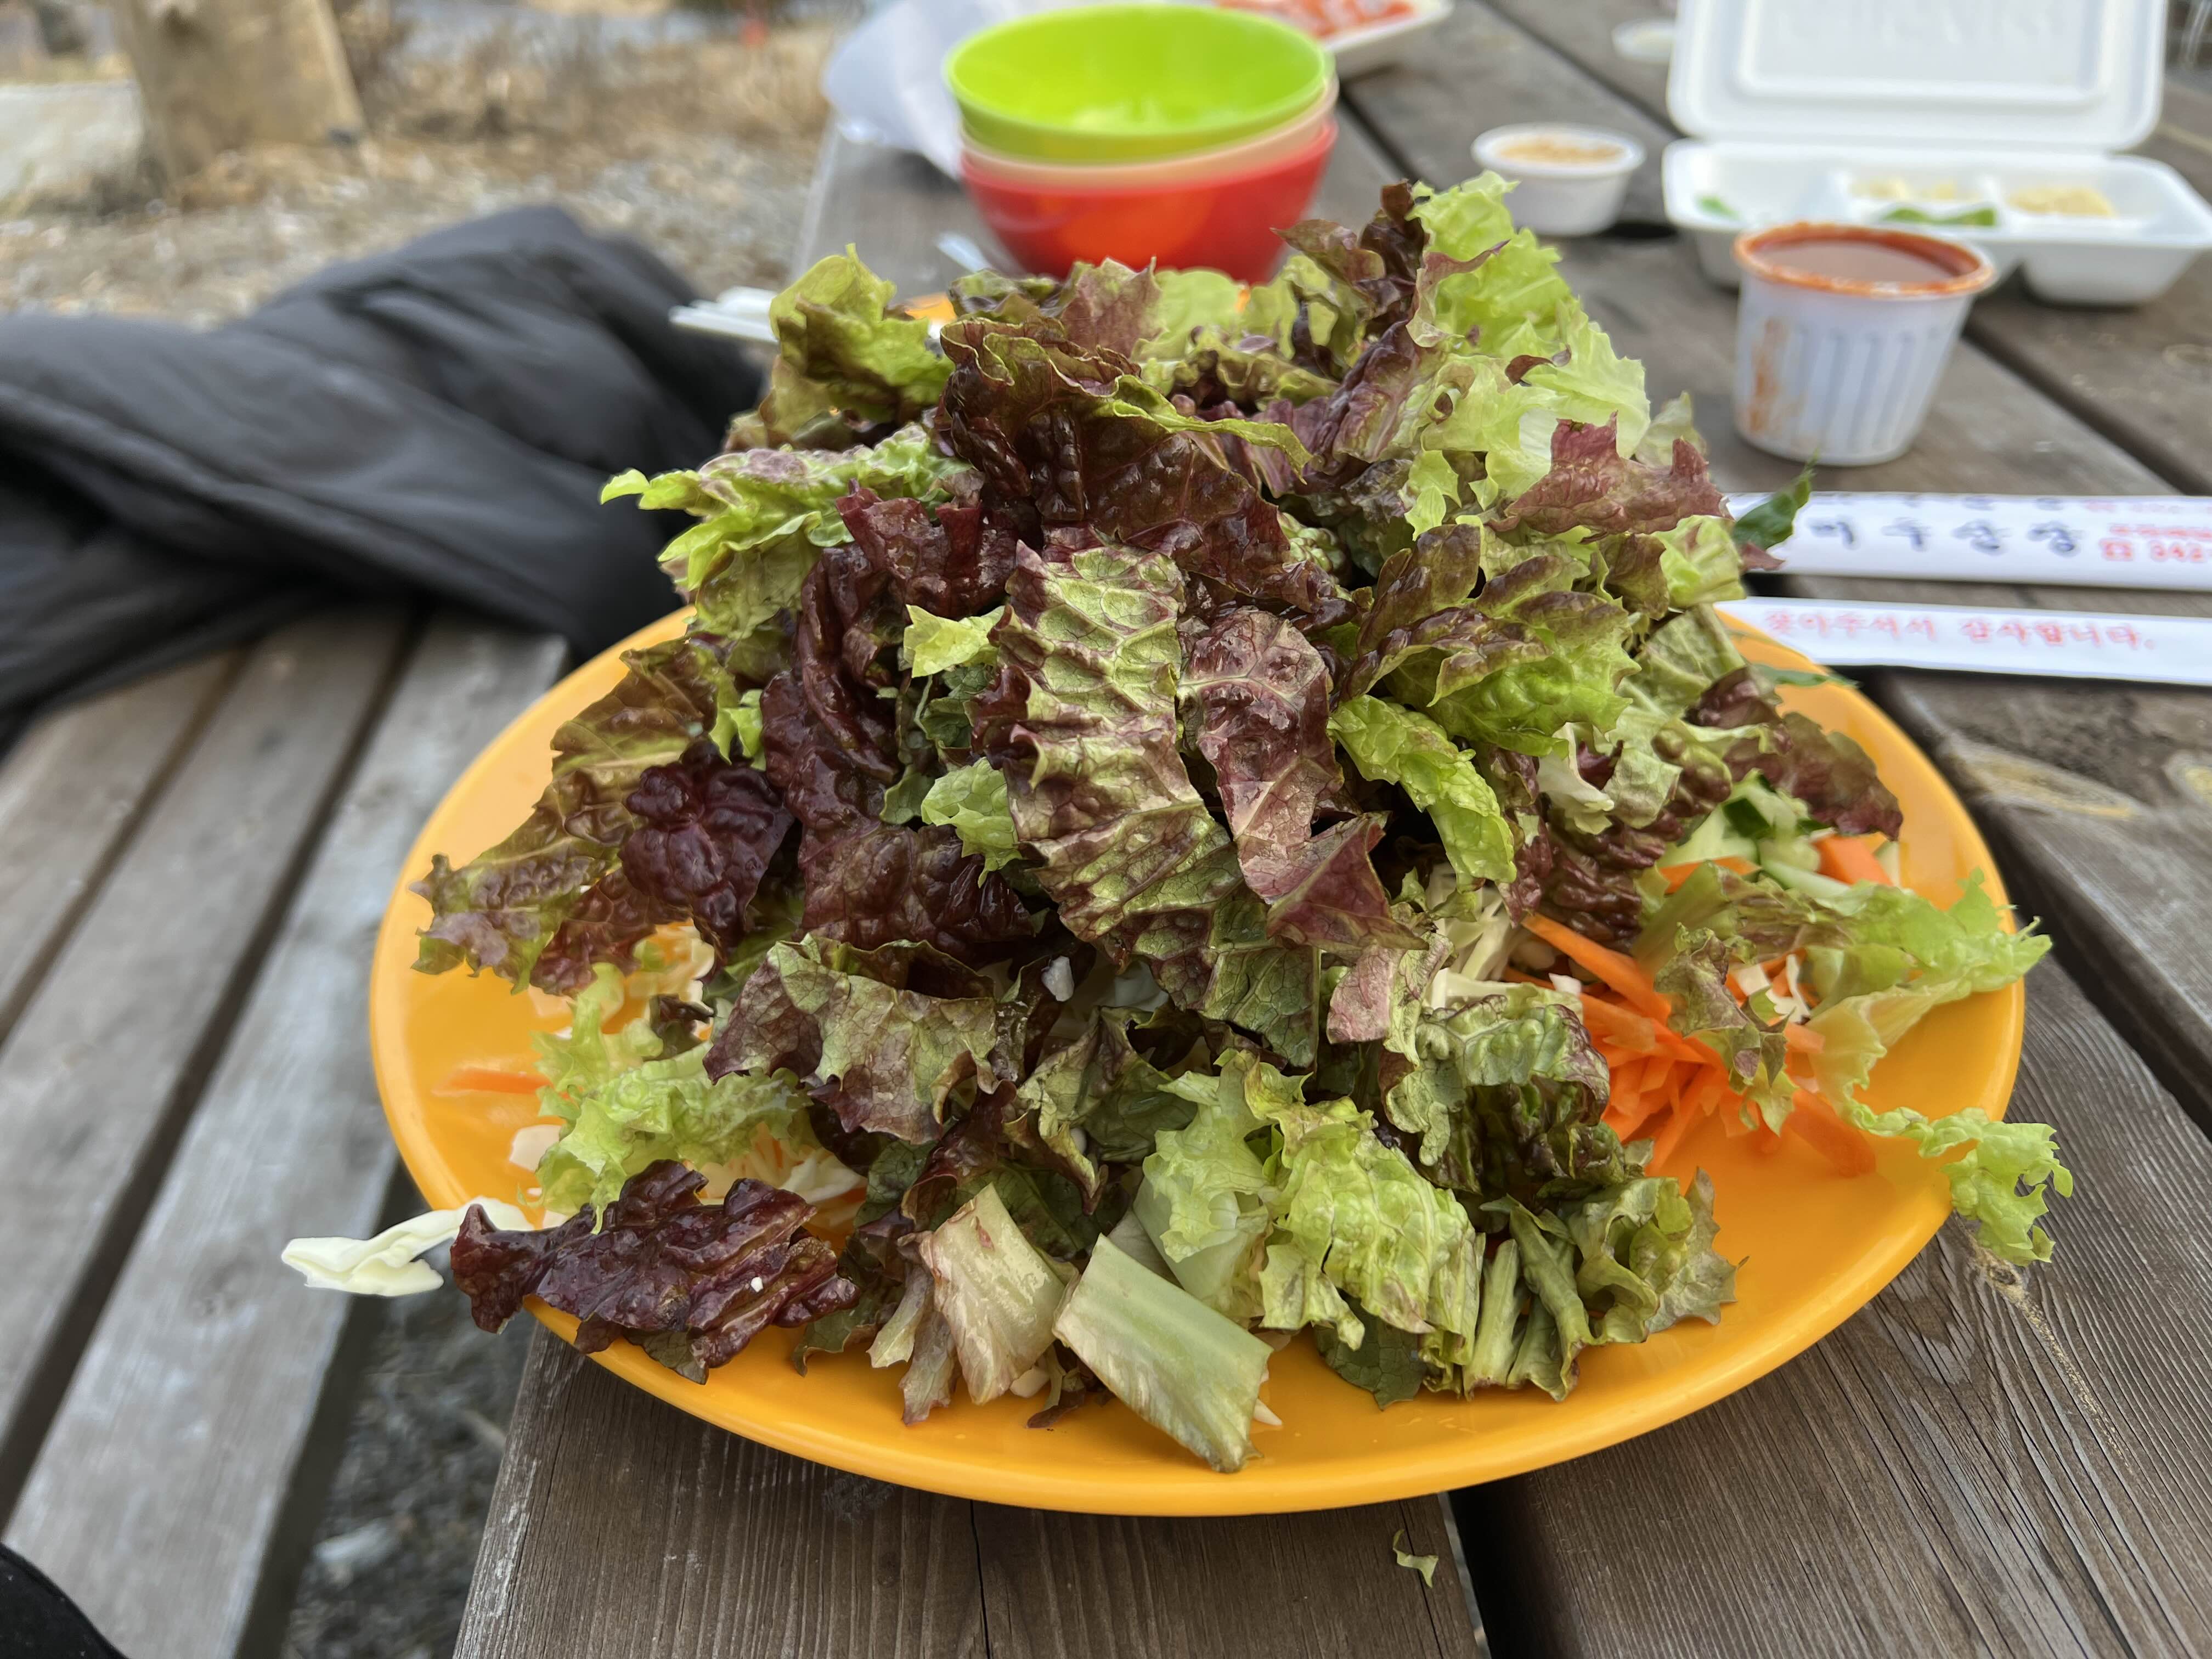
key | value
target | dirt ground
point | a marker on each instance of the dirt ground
(388, 1573)
(671, 128)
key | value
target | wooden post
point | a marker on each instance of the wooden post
(219, 74)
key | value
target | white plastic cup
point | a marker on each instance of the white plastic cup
(1562, 197)
(1838, 369)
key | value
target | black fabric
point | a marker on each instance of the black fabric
(37, 1621)
(438, 419)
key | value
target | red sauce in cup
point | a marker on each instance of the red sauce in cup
(1858, 261)
(1862, 259)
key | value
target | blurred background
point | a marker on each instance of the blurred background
(688, 124)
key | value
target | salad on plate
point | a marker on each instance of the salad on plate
(1181, 820)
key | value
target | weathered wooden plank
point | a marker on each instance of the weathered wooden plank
(1984, 1461)
(70, 791)
(622, 1529)
(1950, 1474)
(1322, 1584)
(2141, 375)
(111, 1047)
(1476, 71)
(157, 1494)
(892, 205)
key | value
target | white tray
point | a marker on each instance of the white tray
(2160, 223)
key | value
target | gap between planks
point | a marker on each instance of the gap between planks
(184, 1439)
(101, 1072)
(73, 792)
(1984, 1460)
(622, 1526)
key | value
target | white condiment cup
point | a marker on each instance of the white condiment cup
(1839, 369)
(1562, 198)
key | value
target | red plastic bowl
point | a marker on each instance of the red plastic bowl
(1227, 223)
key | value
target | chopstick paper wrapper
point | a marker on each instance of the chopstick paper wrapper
(2066, 644)
(2143, 541)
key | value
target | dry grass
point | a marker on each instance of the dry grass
(701, 150)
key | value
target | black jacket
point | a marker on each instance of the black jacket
(437, 419)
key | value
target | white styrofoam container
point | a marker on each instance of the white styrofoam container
(1798, 105)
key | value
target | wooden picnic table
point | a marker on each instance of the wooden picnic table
(1984, 1460)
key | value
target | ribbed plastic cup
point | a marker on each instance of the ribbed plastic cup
(1838, 369)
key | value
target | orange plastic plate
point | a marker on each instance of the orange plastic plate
(1815, 1247)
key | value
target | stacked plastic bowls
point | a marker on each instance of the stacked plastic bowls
(1178, 133)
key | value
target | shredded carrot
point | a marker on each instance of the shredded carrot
(1625, 1121)
(1804, 1039)
(1618, 971)
(1764, 1141)
(491, 1079)
(1627, 1081)
(1618, 1025)
(1814, 1121)
(1851, 858)
(1706, 1092)
(1675, 874)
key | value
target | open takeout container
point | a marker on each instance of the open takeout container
(1885, 113)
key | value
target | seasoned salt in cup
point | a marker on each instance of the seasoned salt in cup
(1842, 334)
(1570, 181)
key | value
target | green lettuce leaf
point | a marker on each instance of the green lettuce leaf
(1771, 523)
(1379, 1229)
(1187, 1370)
(1515, 283)
(1385, 1362)
(1645, 1257)
(1392, 744)
(1082, 724)
(882, 1054)
(1504, 1092)
(1522, 704)
(765, 515)
(999, 1295)
(972, 799)
(1101, 1085)
(845, 360)
(1204, 1201)
(1699, 559)
(933, 644)
(626, 1106)
(1680, 662)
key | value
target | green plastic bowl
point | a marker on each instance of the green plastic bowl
(1129, 82)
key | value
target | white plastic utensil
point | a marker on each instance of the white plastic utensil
(2138, 541)
(2054, 644)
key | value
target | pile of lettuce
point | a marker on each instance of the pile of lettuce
(1112, 748)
